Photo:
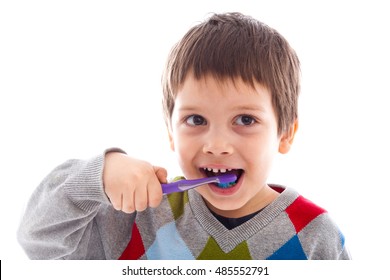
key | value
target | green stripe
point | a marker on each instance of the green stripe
(177, 202)
(213, 252)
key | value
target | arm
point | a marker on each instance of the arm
(69, 216)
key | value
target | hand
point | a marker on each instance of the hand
(132, 184)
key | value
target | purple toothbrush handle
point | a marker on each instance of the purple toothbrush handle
(171, 187)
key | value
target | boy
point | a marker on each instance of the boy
(230, 101)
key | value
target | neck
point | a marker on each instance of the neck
(263, 198)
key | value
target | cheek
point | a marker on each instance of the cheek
(260, 153)
(184, 150)
(186, 141)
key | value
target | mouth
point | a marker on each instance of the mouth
(211, 172)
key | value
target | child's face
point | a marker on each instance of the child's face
(222, 126)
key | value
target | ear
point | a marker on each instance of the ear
(171, 142)
(287, 138)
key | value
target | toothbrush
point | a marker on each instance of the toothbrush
(223, 181)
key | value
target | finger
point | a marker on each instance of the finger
(128, 202)
(141, 198)
(154, 192)
(161, 173)
(116, 201)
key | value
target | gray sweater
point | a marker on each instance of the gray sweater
(70, 217)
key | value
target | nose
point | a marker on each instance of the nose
(217, 143)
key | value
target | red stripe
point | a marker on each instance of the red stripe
(135, 249)
(302, 211)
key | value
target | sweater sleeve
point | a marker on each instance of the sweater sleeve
(69, 216)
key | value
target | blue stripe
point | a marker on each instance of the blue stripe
(169, 245)
(291, 250)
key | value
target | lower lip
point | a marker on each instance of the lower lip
(227, 191)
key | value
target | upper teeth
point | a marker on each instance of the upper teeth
(216, 170)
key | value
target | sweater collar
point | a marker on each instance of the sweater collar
(229, 239)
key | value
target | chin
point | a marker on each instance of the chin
(221, 203)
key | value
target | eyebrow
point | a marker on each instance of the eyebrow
(188, 108)
(250, 108)
(240, 107)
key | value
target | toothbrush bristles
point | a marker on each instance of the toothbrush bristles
(225, 185)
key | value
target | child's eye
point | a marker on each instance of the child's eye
(195, 120)
(245, 120)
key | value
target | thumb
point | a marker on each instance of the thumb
(161, 173)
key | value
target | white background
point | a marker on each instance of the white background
(77, 77)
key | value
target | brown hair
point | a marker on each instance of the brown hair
(233, 45)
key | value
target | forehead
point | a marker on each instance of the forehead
(211, 88)
(209, 96)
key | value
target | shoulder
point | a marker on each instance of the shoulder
(303, 211)
(300, 210)
(319, 235)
